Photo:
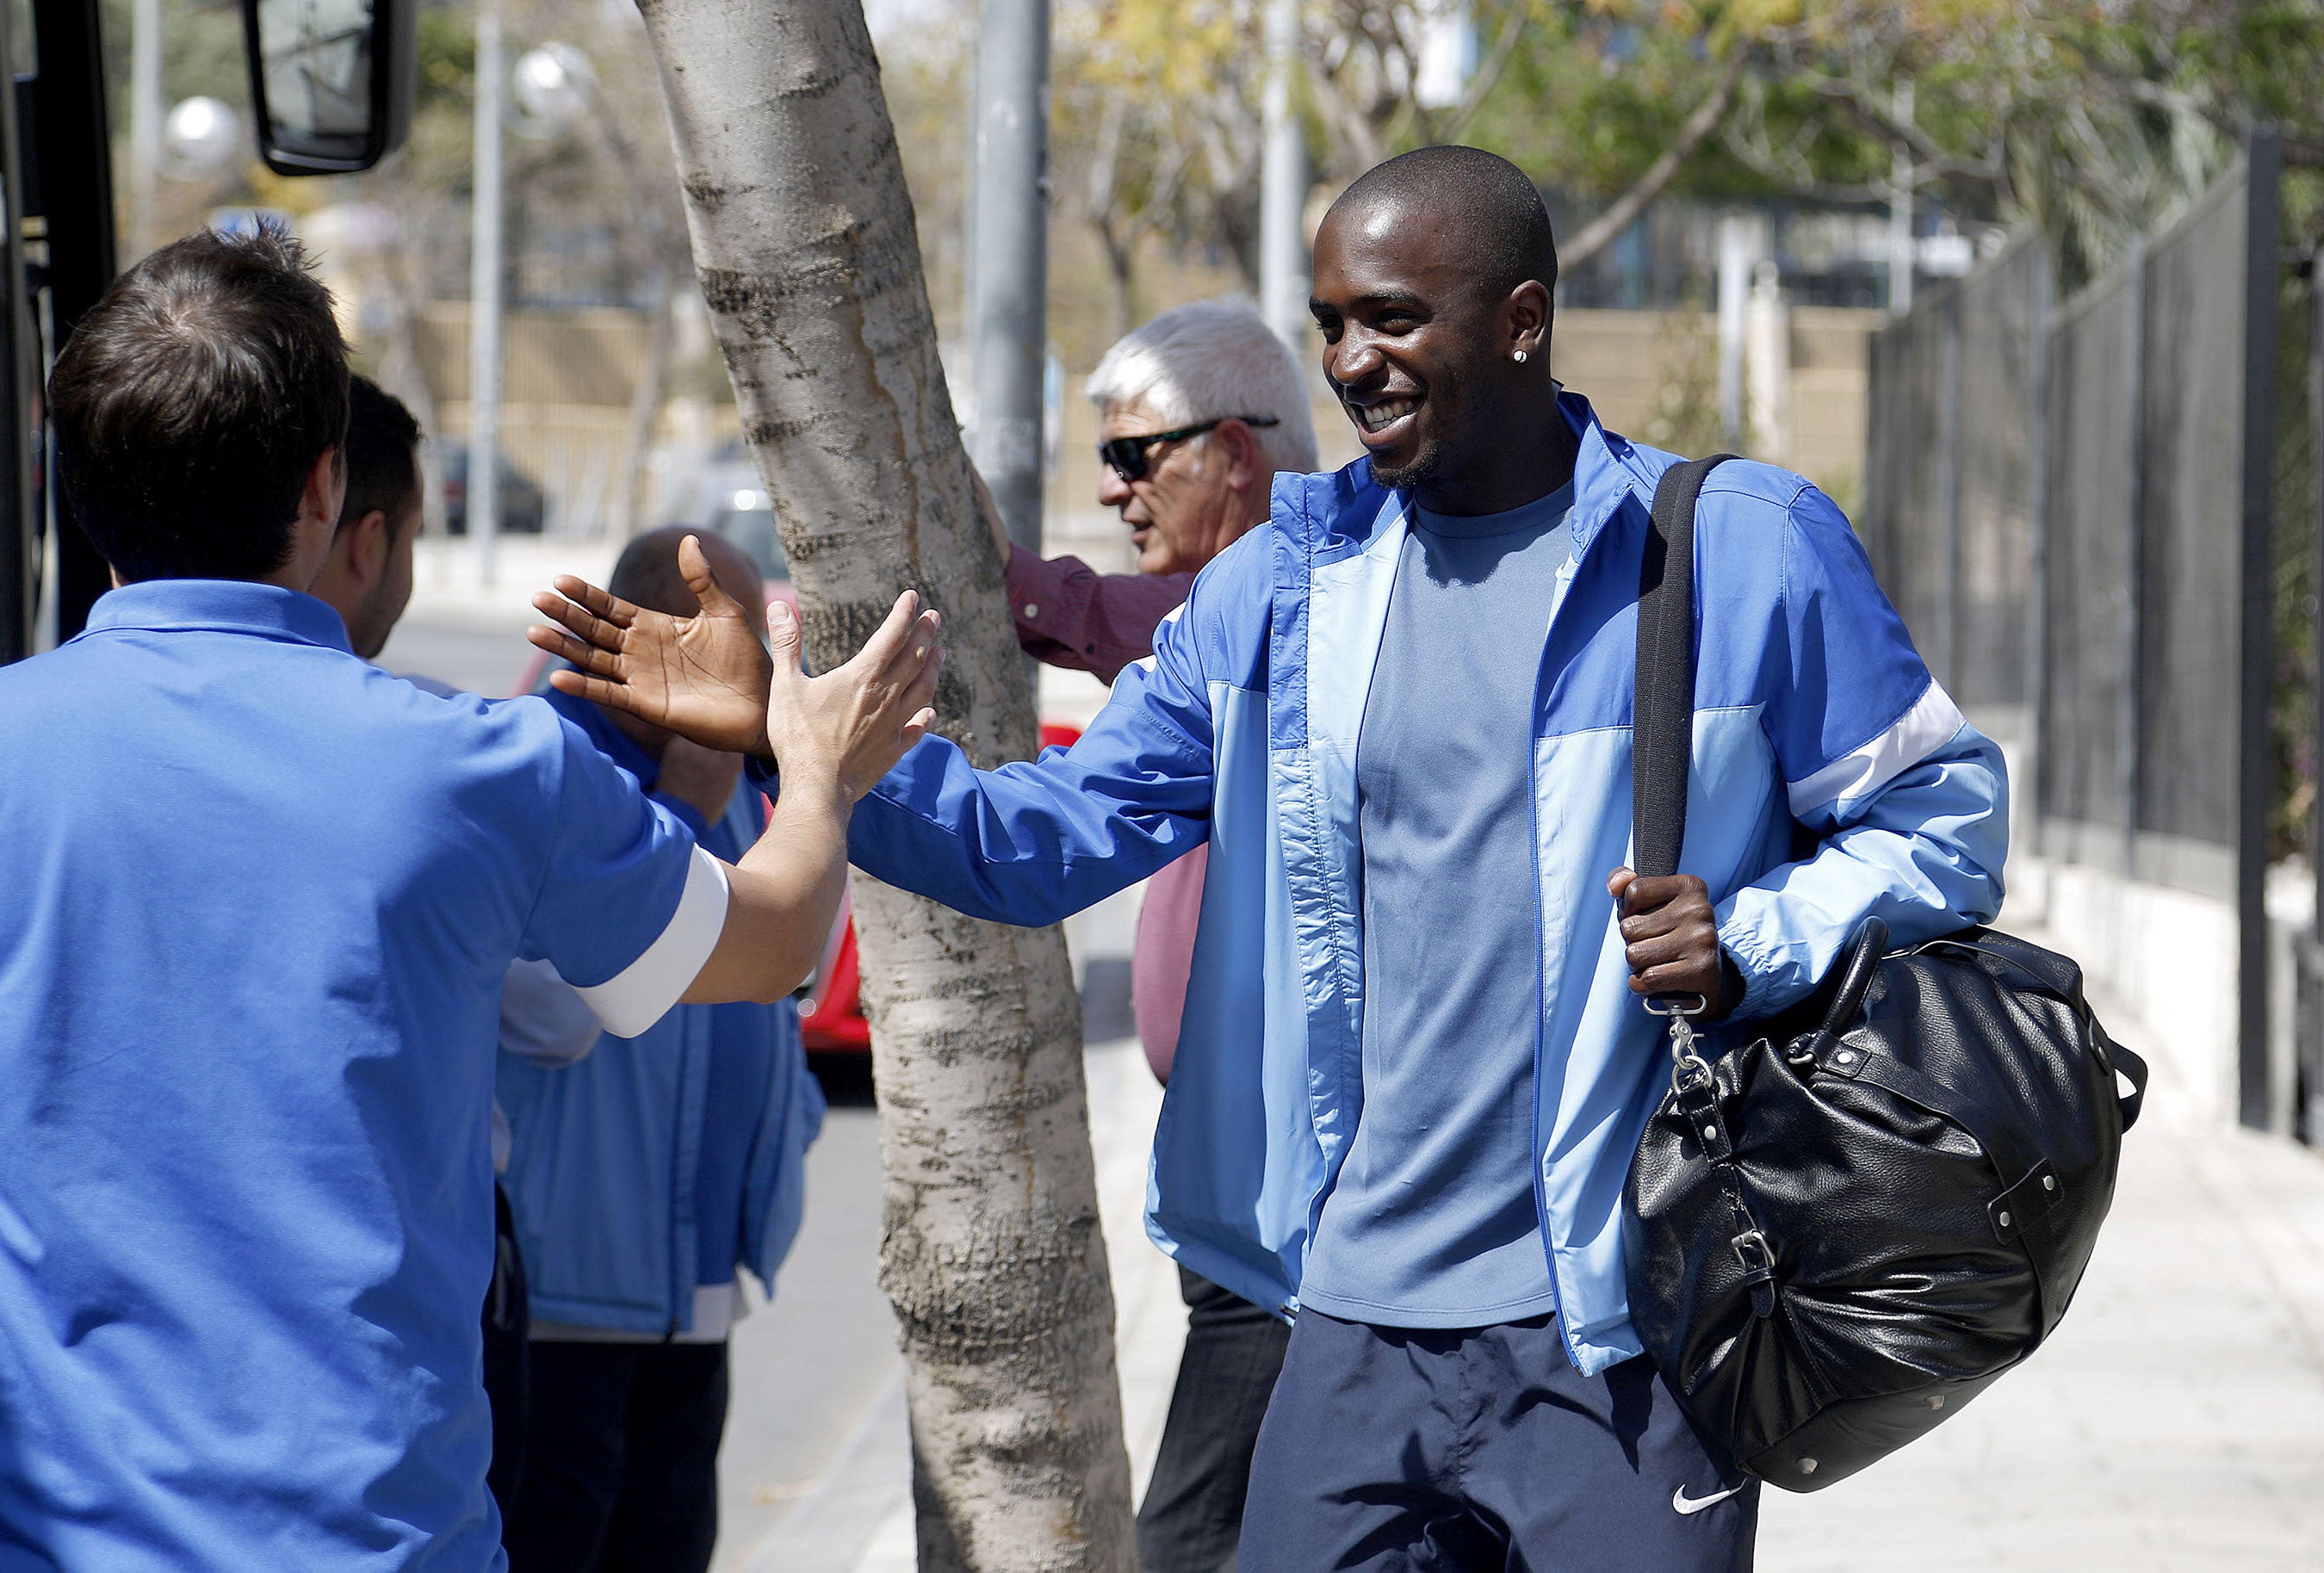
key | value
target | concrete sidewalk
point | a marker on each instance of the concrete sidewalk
(2175, 1421)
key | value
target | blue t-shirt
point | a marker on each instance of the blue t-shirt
(1432, 1222)
(260, 898)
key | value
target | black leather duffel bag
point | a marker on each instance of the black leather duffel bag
(1843, 1229)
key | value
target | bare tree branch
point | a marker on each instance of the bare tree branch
(1354, 128)
(1489, 73)
(1599, 232)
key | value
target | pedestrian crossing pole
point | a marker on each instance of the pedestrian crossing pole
(1283, 188)
(1009, 260)
(483, 502)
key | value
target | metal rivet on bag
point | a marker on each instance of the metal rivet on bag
(1936, 1400)
(2049, 1182)
(1807, 1465)
(1707, 1133)
(2004, 1220)
(1845, 1057)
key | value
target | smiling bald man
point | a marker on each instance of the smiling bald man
(1416, 1060)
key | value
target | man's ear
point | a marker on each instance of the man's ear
(1240, 445)
(316, 524)
(1526, 313)
(327, 488)
(368, 539)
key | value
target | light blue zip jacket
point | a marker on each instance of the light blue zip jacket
(604, 1154)
(1814, 717)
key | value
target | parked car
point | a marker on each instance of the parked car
(524, 509)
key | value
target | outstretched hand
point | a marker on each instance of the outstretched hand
(703, 677)
(708, 679)
(1670, 936)
(851, 725)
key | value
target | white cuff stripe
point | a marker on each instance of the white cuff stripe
(638, 996)
(1933, 721)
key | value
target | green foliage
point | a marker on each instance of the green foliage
(447, 40)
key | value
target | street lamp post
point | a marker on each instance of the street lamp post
(1283, 187)
(1008, 246)
(483, 502)
(145, 123)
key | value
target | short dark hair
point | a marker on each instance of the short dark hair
(382, 451)
(192, 401)
(1493, 206)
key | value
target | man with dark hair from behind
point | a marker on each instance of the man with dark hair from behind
(261, 900)
(368, 576)
(367, 581)
(1415, 1060)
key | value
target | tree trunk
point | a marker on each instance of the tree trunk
(803, 240)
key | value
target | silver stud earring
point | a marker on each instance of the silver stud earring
(1521, 357)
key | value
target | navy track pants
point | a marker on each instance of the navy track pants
(1482, 1451)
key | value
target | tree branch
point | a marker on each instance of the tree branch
(1488, 74)
(1601, 231)
(1355, 129)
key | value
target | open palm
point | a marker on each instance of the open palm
(704, 677)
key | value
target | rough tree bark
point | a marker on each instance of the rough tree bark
(803, 240)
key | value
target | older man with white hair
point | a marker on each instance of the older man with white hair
(1197, 411)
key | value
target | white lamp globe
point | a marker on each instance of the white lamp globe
(555, 84)
(201, 137)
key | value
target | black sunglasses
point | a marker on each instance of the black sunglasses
(1126, 456)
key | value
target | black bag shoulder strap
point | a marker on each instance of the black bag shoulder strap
(1662, 718)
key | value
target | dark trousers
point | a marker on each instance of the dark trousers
(621, 1471)
(1193, 1513)
(1482, 1451)
(508, 1331)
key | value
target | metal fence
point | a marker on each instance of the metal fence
(2071, 505)
(1949, 472)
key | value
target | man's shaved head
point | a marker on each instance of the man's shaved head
(647, 573)
(1479, 199)
(1433, 290)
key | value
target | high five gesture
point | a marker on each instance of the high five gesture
(709, 679)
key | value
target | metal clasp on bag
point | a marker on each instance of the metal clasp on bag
(1686, 1064)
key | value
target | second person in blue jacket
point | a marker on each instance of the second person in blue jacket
(645, 1180)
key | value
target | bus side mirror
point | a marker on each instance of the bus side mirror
(331, 81)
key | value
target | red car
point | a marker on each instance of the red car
(830, 1007)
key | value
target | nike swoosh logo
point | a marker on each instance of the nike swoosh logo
(1682, 1504)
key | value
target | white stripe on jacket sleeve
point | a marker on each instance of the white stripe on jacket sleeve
(1933, 722)
(640, 993)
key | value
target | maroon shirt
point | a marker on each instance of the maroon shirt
(1069, 614)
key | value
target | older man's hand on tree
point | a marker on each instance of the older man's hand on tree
(989, 510)
(703, 677)
(1670, 935)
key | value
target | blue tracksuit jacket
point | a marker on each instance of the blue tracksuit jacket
(604, 1155)
(1813, 712)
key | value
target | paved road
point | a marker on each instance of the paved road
(484, 654)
